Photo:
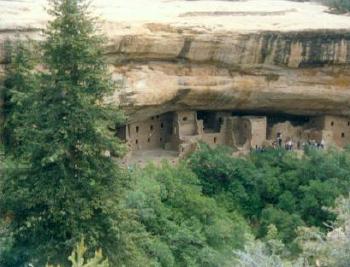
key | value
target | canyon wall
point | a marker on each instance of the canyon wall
(265, 56)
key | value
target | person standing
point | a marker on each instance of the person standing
(322, 144)
(279, 139)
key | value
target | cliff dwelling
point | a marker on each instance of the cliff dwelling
(178, 133)
(224, 73)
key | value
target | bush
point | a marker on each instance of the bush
(333, 248)
(275, 187)
(318, 248)
(186, 227)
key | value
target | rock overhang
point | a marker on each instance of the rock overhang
(265, 56)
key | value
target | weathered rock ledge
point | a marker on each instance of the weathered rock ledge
(257, 55)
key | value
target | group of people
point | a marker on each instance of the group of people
(315, 144)
(289, 144)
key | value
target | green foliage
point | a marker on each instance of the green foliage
(2, 162)
(318, 249)
(4, 240)
(19, 87)
(341, 6)
(186, 228)
(332, 249)
(62, 186)
(275, 187)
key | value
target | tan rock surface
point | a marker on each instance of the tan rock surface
(255, 55)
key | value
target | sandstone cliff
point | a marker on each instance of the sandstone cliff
(255, 55)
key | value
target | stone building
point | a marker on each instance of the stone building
(152, 133)
(181, 131)
(333, 129)
(249, 131)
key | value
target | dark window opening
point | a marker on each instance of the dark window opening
(342, 135)
(332, 123)
(211, 122)
(137, 141)
(273, 118)
(184, 118)
(162, 125)
(152, 118)
(121, 133)
(137, 129)
(151, 127)
(149, 140)
(348, 123)
(157, 116)
(161, 139)
(215, 140)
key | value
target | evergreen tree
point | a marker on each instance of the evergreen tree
(64, 184)
(340, 6)
(19, 86)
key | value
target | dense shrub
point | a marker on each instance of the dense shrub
(333, 248)
(186, 227)
(275, 187)
(318, 249)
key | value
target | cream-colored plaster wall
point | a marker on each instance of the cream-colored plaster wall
(258, 127)
(150, 134)
(287, 131)
(335, 129)
(340, 126)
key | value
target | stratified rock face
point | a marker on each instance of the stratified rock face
(255, 55)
